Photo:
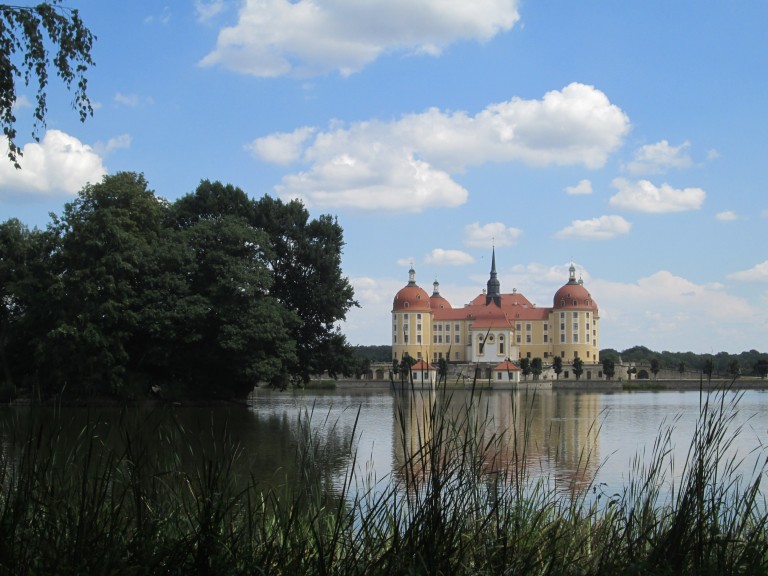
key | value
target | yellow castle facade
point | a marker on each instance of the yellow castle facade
(495, 326)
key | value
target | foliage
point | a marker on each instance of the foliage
(125, 292)
(375, 353)
(557, 366)
(578, 367)
(525, 367)
(609, 367)
(85, 504)
(537, 367)
(761, 368)
(721, 363)
(26, 35)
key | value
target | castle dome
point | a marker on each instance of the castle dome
(573, 294)
(411, 296)
(436, 301)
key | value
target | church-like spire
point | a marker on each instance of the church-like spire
(493, 293)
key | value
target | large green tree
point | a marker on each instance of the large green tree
(233, 332)
(26, 279)
(305, 263)
(35, 40)
(106, 238)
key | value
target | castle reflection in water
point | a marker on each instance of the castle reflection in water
(544, 434)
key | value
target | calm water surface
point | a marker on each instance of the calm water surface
(574, 439)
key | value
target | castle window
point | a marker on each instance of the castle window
(405, 338)
(490, 338)
(575, 338)
(501, 348)
(527, 354)
(501, 338)
(587, 337)
(434, 339)
(562, 314)
(405, 305)
(527, 338)
(562, 338)
(518, 327)
(545, 338)
(456, 327)
(562, 302)
(394, 339)
(418, 316)
(405, 317)
(418, 339)
(519, 338)
(546, 326)
(457, 339)
(418, 327)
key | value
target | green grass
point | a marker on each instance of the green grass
(144, 497)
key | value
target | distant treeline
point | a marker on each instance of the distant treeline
(751, 363)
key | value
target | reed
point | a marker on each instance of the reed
(145, 497)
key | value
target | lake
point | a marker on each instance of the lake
(575, 440)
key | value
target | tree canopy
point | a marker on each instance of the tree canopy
(27, 34)
(204, 297)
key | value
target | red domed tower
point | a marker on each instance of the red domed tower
(575, 320)
(411, 320)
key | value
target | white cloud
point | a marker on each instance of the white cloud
(491, 234)
(116, 143)
(281, 147)
(21, 102)
(58, 165)
(727, 216)
(758, 273)
(601, 228)
(389, 181)
(583, 187)
(130, 100)
(658, 158)
(205, 11)
(667, 312)
(644, 196)
(308, 37)
(407, 164)
(442, 257)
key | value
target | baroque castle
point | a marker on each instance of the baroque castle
(495, 327)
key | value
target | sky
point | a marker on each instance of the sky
(625, 138)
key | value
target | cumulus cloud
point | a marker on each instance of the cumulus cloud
(583, 187)
(58, 165)
(758, 273)
(307, 37)
(659, 158)
(601, 228)
(282, 147)
(408, 163)
(443, 257)
(491, 234)
(727, 216)
(665, 311)
(116, 143)
(644, 196)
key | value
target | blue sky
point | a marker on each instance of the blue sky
(625, 138)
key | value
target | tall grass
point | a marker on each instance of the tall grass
(165, 500)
